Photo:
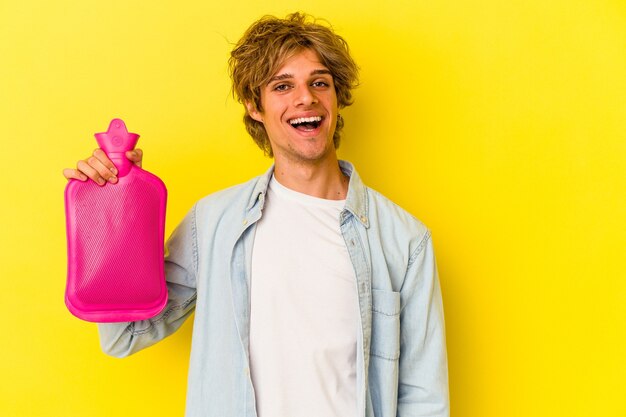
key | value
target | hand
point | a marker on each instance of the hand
(99, 167)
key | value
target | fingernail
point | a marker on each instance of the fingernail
(101, 181)
(113, 180)
(114, 171)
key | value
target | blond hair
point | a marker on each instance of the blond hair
(266, 45)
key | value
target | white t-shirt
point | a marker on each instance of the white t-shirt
(304, 315)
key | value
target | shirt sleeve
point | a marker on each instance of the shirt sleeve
(423, 367)
(181, 263)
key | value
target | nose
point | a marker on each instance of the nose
(304, 96)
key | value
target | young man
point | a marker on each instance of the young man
(314, 295)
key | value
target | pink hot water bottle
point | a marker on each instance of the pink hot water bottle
(115, 239)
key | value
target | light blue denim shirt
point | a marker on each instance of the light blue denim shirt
(401, 352)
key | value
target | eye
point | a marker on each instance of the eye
(281, 87)
(320, 84)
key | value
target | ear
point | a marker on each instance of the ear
(253, 112)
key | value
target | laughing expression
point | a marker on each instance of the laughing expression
(299, 110)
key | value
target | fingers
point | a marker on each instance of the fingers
(95, 170)
(135, 156)
(75, 174)
(97, 167)
(103, 159)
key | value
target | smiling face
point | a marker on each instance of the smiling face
(299, 110)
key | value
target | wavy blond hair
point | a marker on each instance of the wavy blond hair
(266, 45)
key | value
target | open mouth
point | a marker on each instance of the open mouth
(306, 124)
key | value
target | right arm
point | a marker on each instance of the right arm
(123, 339)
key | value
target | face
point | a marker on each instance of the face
(299, 110)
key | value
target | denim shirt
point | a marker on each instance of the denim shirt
(401, 352)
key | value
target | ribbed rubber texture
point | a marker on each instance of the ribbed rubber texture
(115, 248)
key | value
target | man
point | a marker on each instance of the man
(314, 295)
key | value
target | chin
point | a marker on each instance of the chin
(315, 155)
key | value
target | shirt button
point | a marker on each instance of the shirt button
(364, 219)
(245, 222)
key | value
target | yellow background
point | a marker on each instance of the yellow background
(501, 125)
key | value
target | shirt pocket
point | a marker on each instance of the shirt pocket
(385, 324)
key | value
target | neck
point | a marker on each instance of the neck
(322, 179)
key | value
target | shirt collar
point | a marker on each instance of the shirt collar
(356, 200)
(258, 194)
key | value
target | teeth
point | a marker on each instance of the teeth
(305, 120)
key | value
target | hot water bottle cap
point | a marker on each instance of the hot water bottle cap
(117, 139)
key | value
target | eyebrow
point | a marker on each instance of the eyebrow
(287, 76)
